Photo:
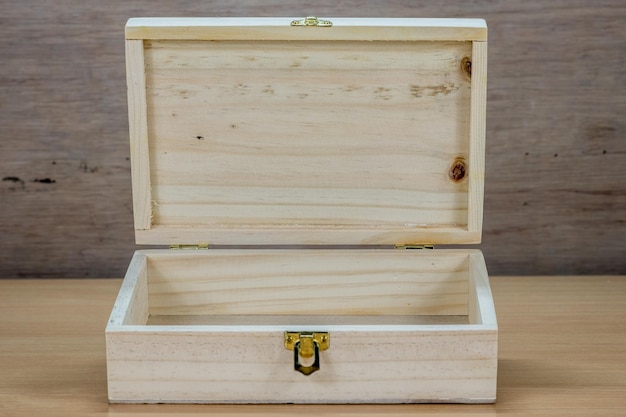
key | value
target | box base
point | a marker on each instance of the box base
(405, 327)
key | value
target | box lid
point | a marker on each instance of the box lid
(254, 131)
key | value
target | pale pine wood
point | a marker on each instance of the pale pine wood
(220, 356)
(249, 141)
(389, 29)
(307, 282)
(52, 353)
(478, 119)
(138, 129)
(480, 305)
(312, 235)
(253, 366)
(131, 306)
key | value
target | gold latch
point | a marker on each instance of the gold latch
(312, 21)
(306, 345)
(190, 247)
(412, 246)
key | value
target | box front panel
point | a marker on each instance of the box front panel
(254, 367)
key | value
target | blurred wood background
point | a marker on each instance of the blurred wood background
(555, 195)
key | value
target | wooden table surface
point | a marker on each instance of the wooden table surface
(562, 352)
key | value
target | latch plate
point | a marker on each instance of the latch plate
(323, 338)
(200, 246)
(306, 345)
(414, 246)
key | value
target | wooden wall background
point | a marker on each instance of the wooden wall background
(556, 143)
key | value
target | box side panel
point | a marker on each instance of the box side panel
(131, 305)
(308, 282)
(138, 309)
(481, 309)
(254, 367)
(478, 117)
(480, 300)
(138, 131)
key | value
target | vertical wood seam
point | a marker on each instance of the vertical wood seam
(478, 275)
(477, 137)
(126, 300)
(138, 130)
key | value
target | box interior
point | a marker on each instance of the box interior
(304, 142)
(249, 114)
(303, 287)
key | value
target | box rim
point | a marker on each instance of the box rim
(278, 28)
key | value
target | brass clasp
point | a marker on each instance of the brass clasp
(306, 345)
(312, 21)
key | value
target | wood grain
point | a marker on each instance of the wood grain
(301, 282)
(138, 132)
(477, 69)
(306, 134)
(202, 365)
(551, 332)
(554, 76)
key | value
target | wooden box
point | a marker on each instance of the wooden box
(308, 167)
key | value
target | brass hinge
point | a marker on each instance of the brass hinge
(311, 21)
(411, 246)
(190, 247)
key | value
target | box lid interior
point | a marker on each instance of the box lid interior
(252, 131)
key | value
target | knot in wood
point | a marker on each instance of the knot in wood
(457, 170)
(466, 66)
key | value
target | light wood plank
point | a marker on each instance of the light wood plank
(481, 309)
(307, 282)
(478, 118)
(356, 368)
(137, 309)
(131, 305)
(318, 211)
(138, 126)
(306, 235)
(435, 56)
(240, 137)
(280, 29)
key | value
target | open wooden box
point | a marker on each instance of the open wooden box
(323, 152)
